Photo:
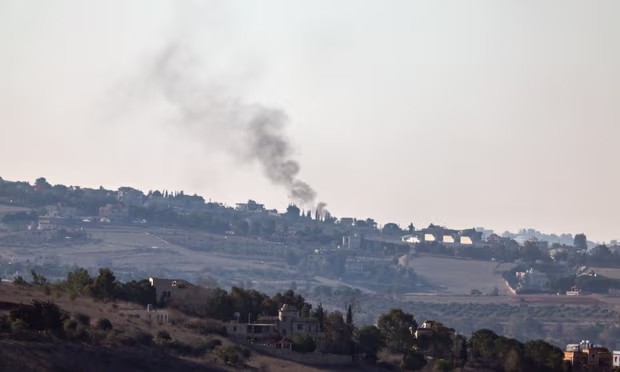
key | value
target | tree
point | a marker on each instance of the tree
(391, 229)
(413, 361)
(319, 314)
(337, 334)
(397, 327)
(483, 342)
(41, 183)
(78, 281)
(581, 241)
(602, 255)
(440, 342)
(292, 211)
(411, 228)
(370, 341)
(289, 297)
(38, 280)
(140, 292)
(543, 356)
(40, 315)
(531, 252)
(349, 320)
(371, 223)
(303, 343)
(104, 286)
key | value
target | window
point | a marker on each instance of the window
(284, 332)
(300, 327)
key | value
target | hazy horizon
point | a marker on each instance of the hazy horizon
(496, 114)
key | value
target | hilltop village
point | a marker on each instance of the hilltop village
(526, 285)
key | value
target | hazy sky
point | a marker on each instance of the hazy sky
(503, 114)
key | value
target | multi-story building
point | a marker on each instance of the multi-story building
(288, 323)
(589, 357)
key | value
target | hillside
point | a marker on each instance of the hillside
(130, 345)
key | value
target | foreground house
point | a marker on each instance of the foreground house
(266, 329)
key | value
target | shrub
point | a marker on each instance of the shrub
(142, 338)
(103, 324)
(233, 354)
(18, 325)
(74, 330)
(180, 347)
(5, 324)
(18, 280)
(40, 316)
(207, 346)
(228, 354)
(82, 318)
(70, 325)
(303, 344)
(163, 336)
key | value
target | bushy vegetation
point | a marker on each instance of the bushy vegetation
(39, 316)
(490, 349)
(103, 287)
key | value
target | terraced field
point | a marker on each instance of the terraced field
(450, 276)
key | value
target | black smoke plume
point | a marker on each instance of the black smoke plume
(206, 109)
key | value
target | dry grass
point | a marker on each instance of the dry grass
(42, 356)
(458, 276)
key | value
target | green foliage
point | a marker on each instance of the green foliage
(5, 323)
(195, 350)
(232, 355)
(78, 281)
(206, 346)
(515, 356)
(103, 324)
(163, 335)
(413, 361)
(291, 298)
(103, 286)
(140, 292)
(338, 335)
(18, 280)
(543, 356)
(303, 343)
(370, 341)
(73, 329)
(396, 327)
(179, 347)
(580, 241)
(18, 325)
(142, 338)
(442, 365)
(319, 314)
(349, 319)
(440, 342)
(482, 342)
(38, 280)
(82, 318)
(596, 284)
(19, 217)
(40, 316)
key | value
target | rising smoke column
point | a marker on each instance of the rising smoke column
(204, 107)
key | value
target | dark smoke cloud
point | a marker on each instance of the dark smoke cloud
(206, 109)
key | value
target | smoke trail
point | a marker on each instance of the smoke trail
(205, 108)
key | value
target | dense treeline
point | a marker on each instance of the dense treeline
(503, 353)
(394, 331)
(102, 287)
